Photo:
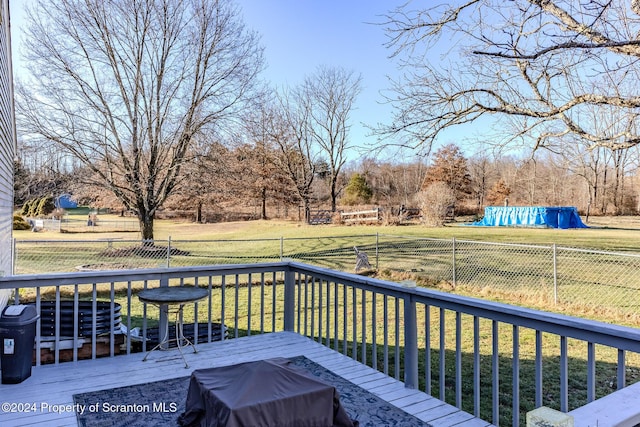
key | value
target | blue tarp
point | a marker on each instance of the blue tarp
(532, 216)
(64, 202)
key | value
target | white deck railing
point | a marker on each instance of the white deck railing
(473, 353)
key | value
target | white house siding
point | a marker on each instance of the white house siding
(7, 146)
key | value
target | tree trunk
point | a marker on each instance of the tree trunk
(603, 199)
(307, 210)
(263, 214)
(199, 212)
(146, 227)
(334, 194)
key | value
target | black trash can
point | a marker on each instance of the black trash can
(17, 334)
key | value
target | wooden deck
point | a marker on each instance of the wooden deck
(52, 385)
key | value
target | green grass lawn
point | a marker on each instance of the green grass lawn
(519, 275)
(623, 237)
(605, 234)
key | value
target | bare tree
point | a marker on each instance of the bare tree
(480, 174)
(540, 63)
(435, 201)
(206, 178)
(126, 86)
(33, 183)
(266, 180)
(329, 95)
(297, 154)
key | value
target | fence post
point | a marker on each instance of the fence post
(377, 247)
(168, 252)
(555, 274)
(289, 299)
(453, 262)
(410, 342)
(281, 248)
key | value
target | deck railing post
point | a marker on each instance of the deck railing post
(289, 300)
(163, 318)
(410, 342)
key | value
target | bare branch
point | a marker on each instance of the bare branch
(126, 87)
(552, 61)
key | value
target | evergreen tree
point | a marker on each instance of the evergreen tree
(357, 191)
(45, 206)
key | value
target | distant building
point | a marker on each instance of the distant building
(7, 147)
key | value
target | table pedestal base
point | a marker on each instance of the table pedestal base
(165, 297)
(179, 339)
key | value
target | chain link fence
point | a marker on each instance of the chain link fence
(48, 256)
(603, 279)
(598, 280)
(91, 224)
(595, 280)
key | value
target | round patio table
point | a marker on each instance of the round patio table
(172, 300)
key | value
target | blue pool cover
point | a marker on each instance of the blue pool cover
(64, 201)
(531, 216)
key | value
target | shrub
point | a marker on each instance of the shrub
(19, 223)
(435, 201)
(336, 218)
(25, 208)
(33, 208)
(58, 213)
(389, 218)
(45, 206)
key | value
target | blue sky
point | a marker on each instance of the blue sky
(300, 35)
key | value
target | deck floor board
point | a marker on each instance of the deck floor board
(56, 384)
